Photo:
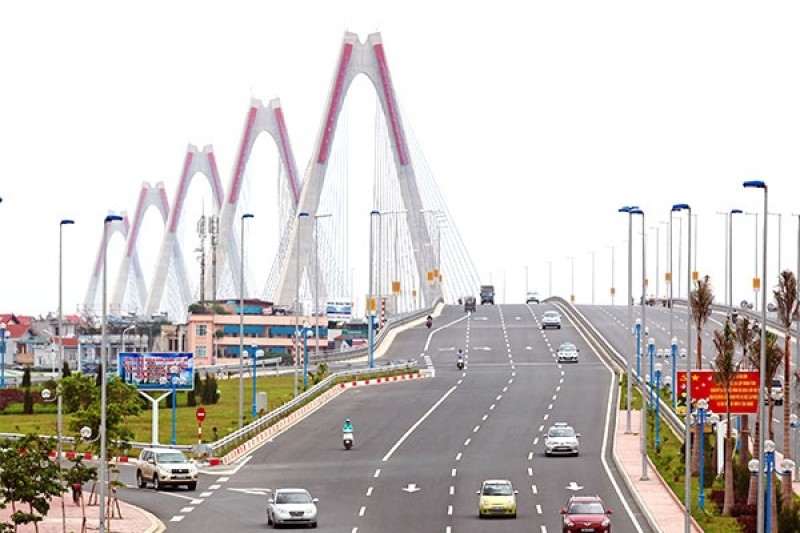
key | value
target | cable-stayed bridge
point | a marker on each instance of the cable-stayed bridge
(404, 244)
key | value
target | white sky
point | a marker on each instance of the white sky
(537, 124)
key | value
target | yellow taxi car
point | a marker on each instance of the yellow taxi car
(497, 498)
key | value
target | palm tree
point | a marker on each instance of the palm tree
(743, 335)
(700, 300)
(774, 358)
(725, 371)
(786, 301)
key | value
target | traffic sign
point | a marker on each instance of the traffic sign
(200, 414)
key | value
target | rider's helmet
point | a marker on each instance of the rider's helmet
(346, 420)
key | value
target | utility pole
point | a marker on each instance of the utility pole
(213, 230)
(201, 233)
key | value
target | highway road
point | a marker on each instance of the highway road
(423, 447)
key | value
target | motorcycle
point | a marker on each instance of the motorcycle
(460, 363)
(429, 322)
(348, 440)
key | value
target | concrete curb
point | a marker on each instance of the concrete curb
(631, 488)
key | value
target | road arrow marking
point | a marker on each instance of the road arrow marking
(574, 486)
(411, 488)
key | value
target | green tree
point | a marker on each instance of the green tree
(78, 391)
(725, 371)
(743, 335)
(700, 301)
(28, 479)
(787, 303)
(774, 358)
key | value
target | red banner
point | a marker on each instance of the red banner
(744, 391)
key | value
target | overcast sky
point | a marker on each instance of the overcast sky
(537, 124)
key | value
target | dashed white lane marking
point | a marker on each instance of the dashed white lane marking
(546, 417)
(491, 407)
(452, 490)
(223, 479)
(362, 510)
(466, 442)
(555, 396)
(476, 429)
(535, 441)
(187, 509)
(550, 407)
(544, 529)
(177, 518)
(505, 389)
(354, 530)
(458, 456)
(369, 491)
(541, 428)
(530, 472)
(484, 418)
(450, 510)
(377, 472)
(205, 494)
(213, 487)
(530, 456)
(538, 509)
(453, 473)
(534, 489)
(498, 397)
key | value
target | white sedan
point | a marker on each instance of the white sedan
(567, 353)
(291, 506)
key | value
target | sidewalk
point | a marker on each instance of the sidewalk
(130, 520)
(664, 510)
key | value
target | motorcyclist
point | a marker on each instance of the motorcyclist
(460, 354)
(429, 321)
(347, 427)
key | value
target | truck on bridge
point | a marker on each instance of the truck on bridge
(487, 294)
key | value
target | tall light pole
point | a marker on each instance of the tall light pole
(245, 216)
(688, 421)
(300, 217)
(658, 247)
(572, 279)
(3, 334)
(763, 358)
(779, 243)
(371, 300)
(627, 210)
(316, 279)
(756, 280)
(59, 416)
(103, 378)
(644, 476)
(613, 289)
(730, 259)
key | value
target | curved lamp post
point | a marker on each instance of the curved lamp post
(371, 301)
(627, 210)
(687, 489)
(300, 216)
(245, 216)
(103, 379)
(651, 350)
(762, 364)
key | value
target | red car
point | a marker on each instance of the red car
(586, 514)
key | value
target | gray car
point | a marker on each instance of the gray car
(291, 506)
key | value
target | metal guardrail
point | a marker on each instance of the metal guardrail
(601, 345)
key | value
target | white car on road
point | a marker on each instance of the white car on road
(551, 319)
(291, 506)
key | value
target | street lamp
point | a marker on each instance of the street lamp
(688, 423)
(174, 380)
(769, 467)
(59, 407)
(300, 216)
(305, 331)
(628, 209)
(700, 420)
(241, 320)
(3, 336)
(316, 278)
(763, 358)
(257, 353)
(129, 328)
(103, 378)
(673, 350)
(658, 407)
(371, 301)
(638, 331)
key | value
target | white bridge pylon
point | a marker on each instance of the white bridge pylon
(149, 196)
(356, 58)
(260, 119)
(196, 161)
(117, 226)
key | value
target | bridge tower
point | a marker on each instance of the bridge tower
(170, 255)
(356, 58)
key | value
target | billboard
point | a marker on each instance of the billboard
(744, 391)
(157, 371)
(340, 309)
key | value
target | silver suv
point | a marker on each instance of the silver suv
(165, 466)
